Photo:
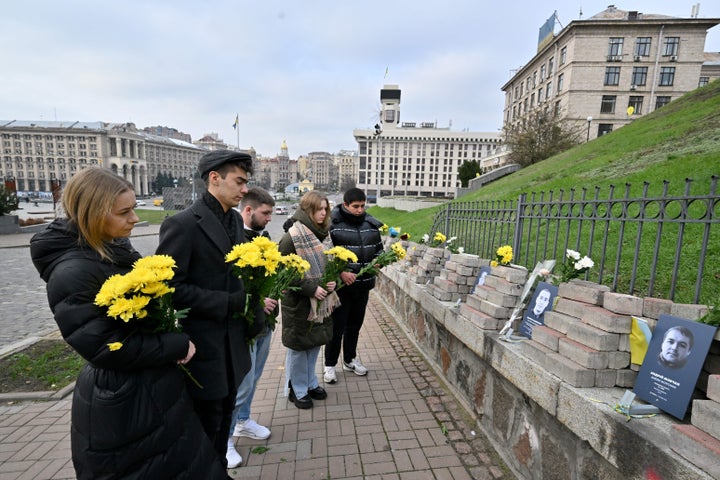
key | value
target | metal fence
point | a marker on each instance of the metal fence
(665, 246)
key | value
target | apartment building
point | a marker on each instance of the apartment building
(38, 155)
(413, 159)
(602, 72)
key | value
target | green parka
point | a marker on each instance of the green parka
(297, 332)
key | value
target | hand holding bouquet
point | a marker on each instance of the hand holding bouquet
(257, 263)
(395, 253)
(143, 296)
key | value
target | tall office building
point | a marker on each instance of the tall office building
(602, 72)
(413, 159)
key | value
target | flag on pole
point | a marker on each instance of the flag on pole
(237, 120)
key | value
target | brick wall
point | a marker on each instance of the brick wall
(546, 403)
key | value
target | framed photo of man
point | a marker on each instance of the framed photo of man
(673, 362)
(542, 301)
(480, 280)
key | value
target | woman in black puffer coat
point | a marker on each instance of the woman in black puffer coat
(131, 415)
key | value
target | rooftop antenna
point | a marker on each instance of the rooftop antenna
(695, 11)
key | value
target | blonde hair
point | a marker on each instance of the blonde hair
(311, 202)
(87, 199)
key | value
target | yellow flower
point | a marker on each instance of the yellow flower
(504, 254)
(399, 250)
(295, 262)
(114, 346)
(494, 263)
(439, 237)
(342, 254)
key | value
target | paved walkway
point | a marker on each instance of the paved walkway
(398, 422)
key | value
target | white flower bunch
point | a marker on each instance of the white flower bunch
(574, 264)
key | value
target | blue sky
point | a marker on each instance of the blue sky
(304, 72)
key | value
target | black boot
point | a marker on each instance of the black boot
(302, 403)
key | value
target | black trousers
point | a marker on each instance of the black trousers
(348, 318)
(215, 417)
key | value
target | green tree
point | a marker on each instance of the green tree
(540, 136)
(347, 183)
(8, 200)
(468, 171)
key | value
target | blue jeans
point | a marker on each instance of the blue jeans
(300, 370)
(246, 391)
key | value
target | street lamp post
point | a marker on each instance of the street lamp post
(589, 120)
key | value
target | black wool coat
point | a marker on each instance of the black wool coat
(204, 283)
(132, 417)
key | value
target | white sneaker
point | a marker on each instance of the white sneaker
(329, 375)
(251, 429)
(355, 366)
(233, 457)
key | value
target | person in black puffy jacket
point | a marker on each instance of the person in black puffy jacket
(353, 228)
(132, 417)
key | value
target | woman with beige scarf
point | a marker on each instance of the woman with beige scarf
(306, 320)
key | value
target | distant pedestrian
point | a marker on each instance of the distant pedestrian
(131, 415)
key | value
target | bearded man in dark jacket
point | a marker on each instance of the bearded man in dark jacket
(353, 228)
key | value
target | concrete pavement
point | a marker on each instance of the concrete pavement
(398, 422)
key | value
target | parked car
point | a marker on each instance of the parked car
(281, 210)
(158, 202)
(140, 203)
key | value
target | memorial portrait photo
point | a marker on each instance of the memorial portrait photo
(541, 302)
(672, 364)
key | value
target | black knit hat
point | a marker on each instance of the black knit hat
(214, 160)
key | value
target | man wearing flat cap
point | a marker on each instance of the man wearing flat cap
(198, 238)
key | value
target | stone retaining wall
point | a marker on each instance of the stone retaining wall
(542, 425)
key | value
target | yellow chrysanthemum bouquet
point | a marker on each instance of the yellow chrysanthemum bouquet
(393, 254)
(339, 257)
(142, 296)
(503, 256)
(265, 272)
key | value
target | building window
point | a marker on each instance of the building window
(642, 46)
(548, 90)
(604, 129)
(661, 101)
(608, 104)
(561, 80)
(639, 76)
(542, 72)
(615, 49)
(636, 102)
(667, 76)
(703, 81)
(612, 75)
(551, 65)
(563, 55)
(670, 46)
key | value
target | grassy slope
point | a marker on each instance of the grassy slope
(681, 140)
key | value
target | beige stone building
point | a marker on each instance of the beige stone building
(276, 173)
(36, 154)
(602, 72)
(412, 159)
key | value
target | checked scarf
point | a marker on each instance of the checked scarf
(309, 247)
